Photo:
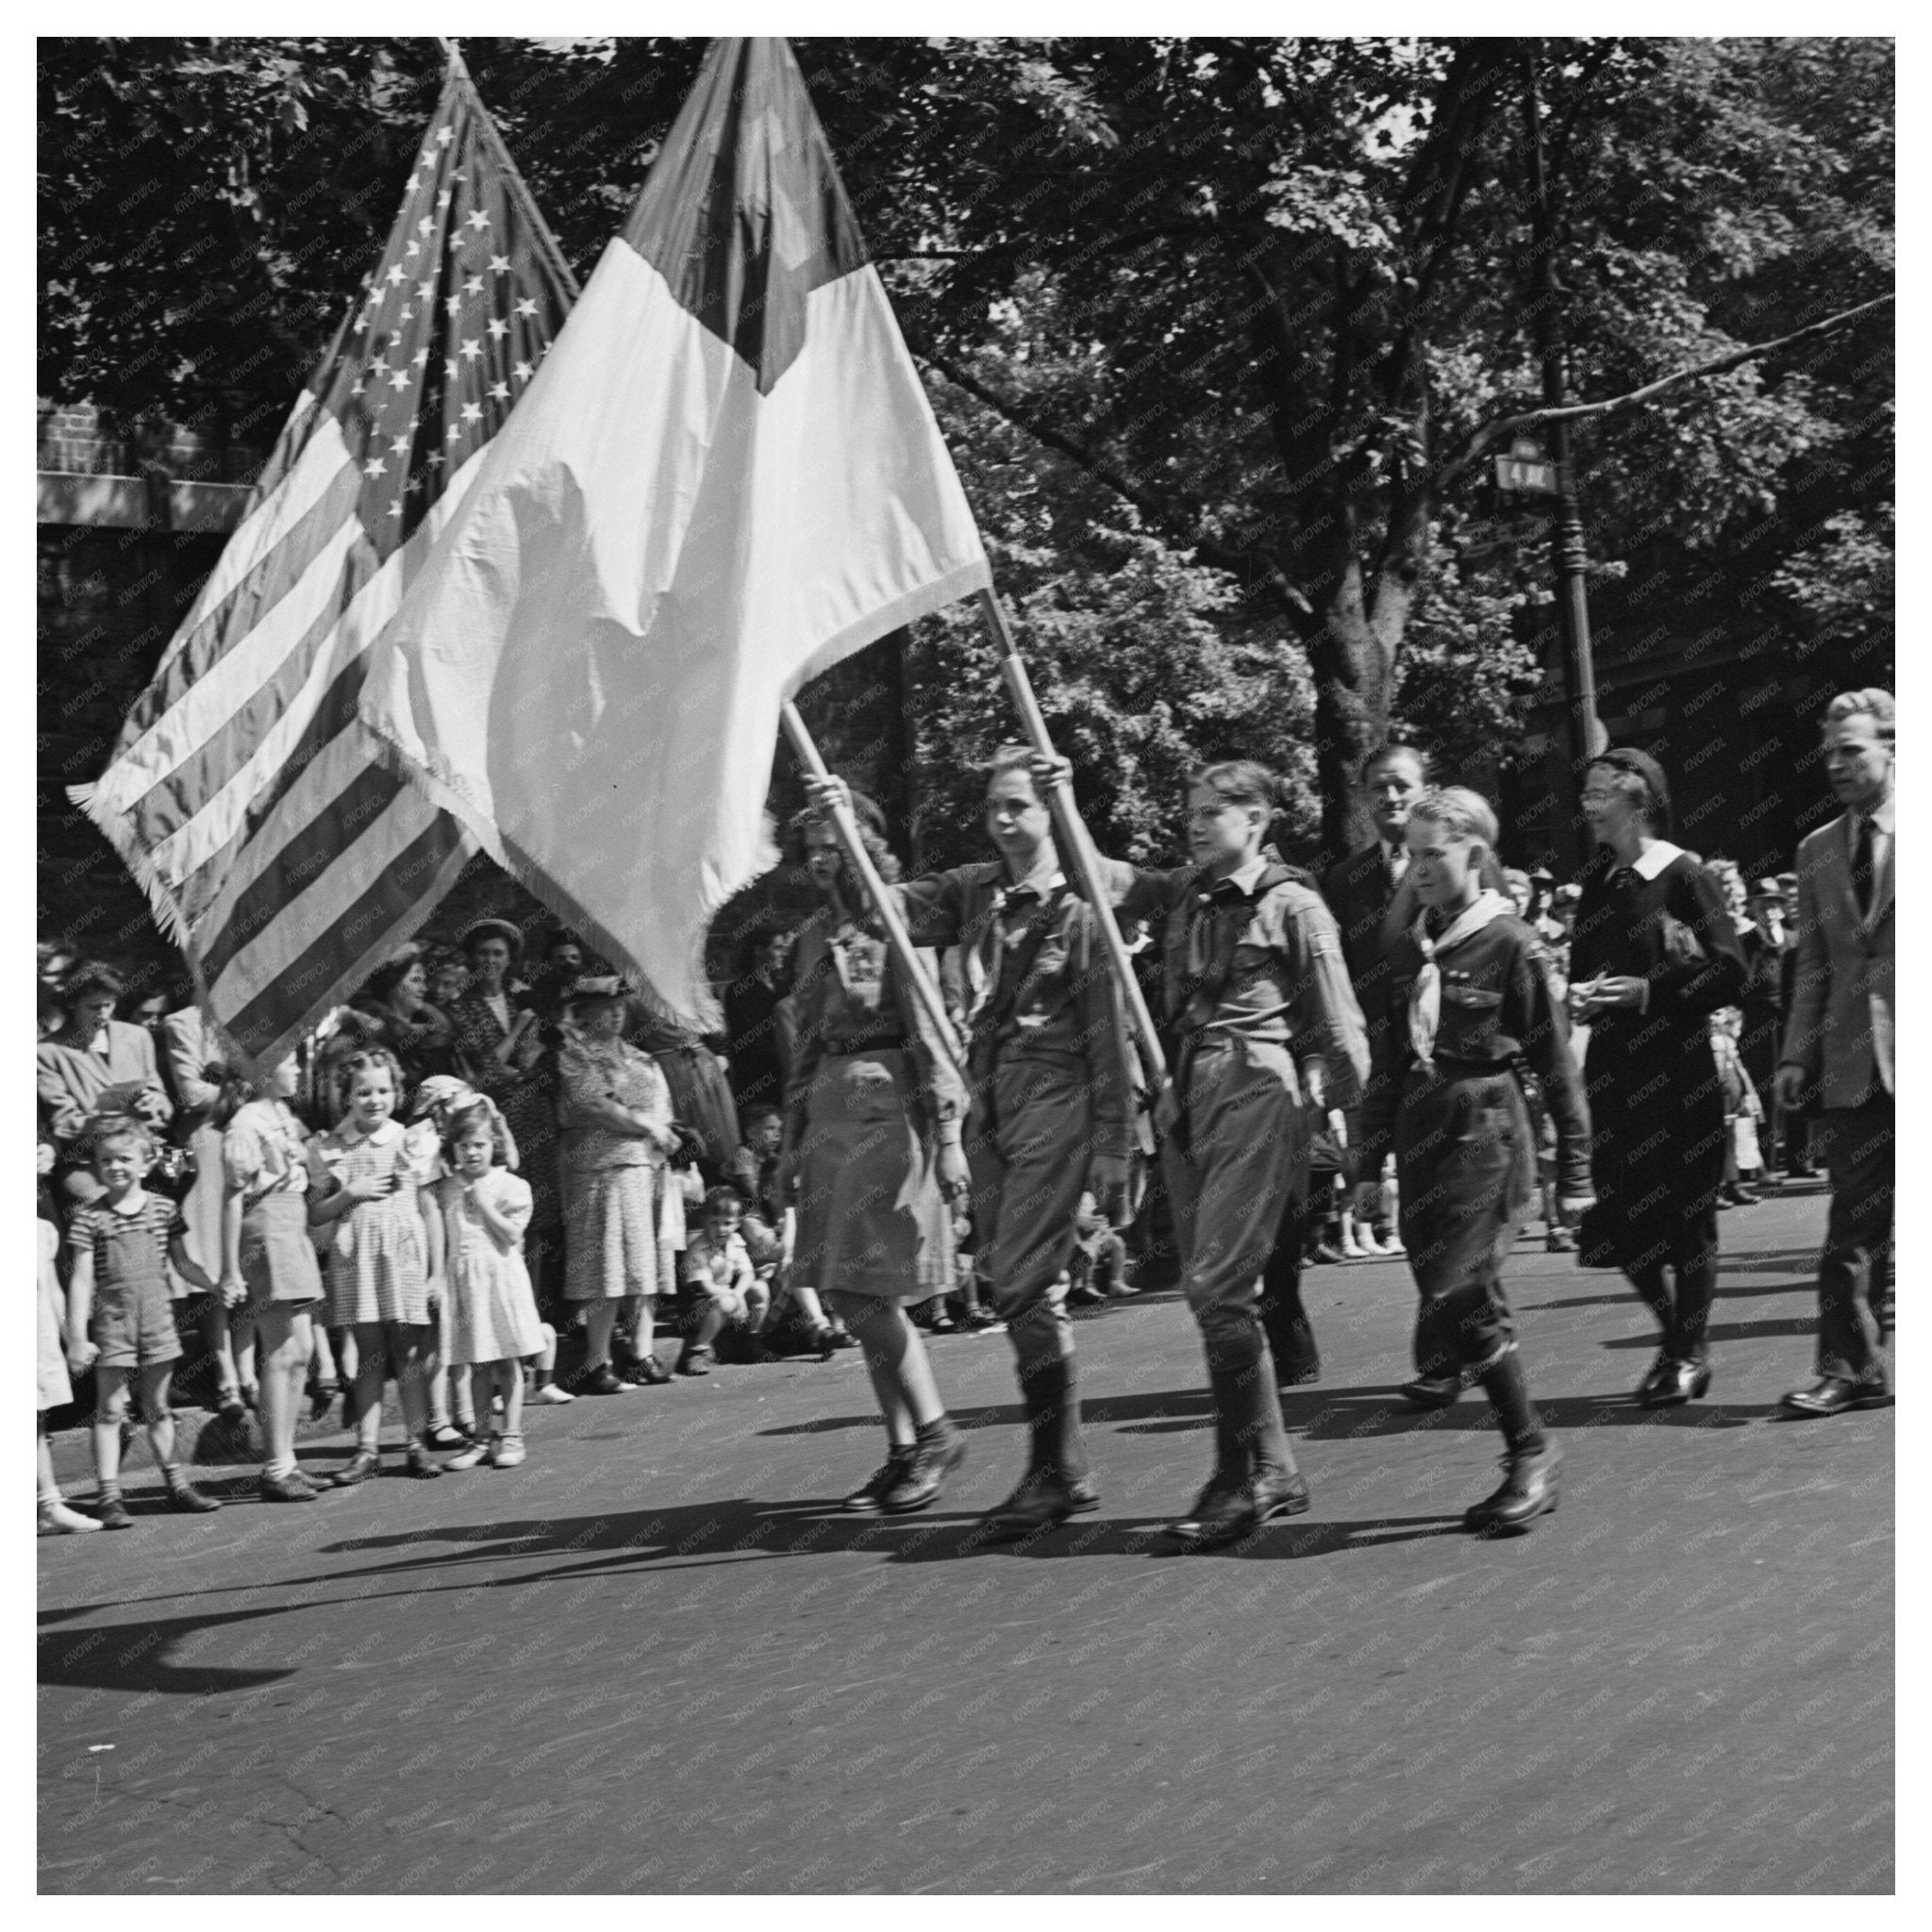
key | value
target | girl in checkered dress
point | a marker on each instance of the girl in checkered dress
(368, 1183)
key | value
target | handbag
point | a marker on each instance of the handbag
(1681, 945)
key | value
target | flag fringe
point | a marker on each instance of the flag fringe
(115, 827)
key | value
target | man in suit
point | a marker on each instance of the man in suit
(1838, 1039)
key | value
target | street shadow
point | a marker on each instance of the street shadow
(1627, 1299)
(1729, 1331)
(134, 1656)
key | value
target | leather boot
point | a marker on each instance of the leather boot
(938, 1450)
(1057, 1484)
(1252, 1441)
(1528, 1491)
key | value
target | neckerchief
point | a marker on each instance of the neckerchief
(1214, 929)
(1425, 995)
(1031, 898)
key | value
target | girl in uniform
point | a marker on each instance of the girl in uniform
(1470, 1005)
(874, 1118)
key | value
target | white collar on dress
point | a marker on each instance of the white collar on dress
(347, 1131)
(1653, 859)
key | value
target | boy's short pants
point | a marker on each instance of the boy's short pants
(133, 1325)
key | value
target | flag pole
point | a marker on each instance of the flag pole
(1076, 842)
(897, 937)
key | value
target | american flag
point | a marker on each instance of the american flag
(243, 795)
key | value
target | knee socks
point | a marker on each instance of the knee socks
(1508, 1392)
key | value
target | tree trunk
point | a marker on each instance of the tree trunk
(1354, 682)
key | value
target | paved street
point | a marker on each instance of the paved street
(656, 1660)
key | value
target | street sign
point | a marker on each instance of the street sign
(1527, 470)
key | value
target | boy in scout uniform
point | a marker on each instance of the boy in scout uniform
(1469, 1004)
(1264, 1026)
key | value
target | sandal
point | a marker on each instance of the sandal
(445, 1436)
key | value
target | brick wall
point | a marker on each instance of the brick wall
(74, 441)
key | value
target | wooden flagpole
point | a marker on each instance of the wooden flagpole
(1077, 843)
(897, 937)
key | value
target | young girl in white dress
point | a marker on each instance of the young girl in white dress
(493, 1321)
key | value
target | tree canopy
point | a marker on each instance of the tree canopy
(1216, 329)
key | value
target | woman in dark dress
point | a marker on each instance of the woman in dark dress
(498, 1048)
(1655, 954)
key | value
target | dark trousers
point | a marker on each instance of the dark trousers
(1465, 1158)
(1290, 1339)
(1854, 1272)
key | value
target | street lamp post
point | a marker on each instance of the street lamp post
(1586, 735)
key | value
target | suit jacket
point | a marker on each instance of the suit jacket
(1838, 1028)
(71, 1078)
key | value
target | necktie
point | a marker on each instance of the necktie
(1219, 913)
(1861, 868)
(986, 960)
(1395, 863)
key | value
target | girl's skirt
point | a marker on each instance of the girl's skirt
(871, 1218)
(492, 1313)
(379, 1264)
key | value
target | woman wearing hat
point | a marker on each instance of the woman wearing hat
(499, 1049)
(1655, 954)
(615, 1111)
(874, 1119)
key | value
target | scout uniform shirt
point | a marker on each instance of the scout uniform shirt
(1257, 955)
(1038, 983)
(1495, 1012)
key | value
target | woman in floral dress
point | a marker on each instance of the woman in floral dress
(614, 1108)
